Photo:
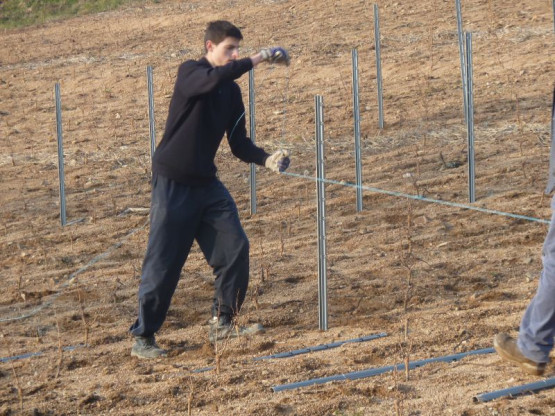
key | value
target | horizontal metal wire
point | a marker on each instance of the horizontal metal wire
(422, 198)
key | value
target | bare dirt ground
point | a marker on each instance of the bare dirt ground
(455, 276)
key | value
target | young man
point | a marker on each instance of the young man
(188, 201)
(530, 351)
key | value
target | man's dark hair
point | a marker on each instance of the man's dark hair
(219, 30)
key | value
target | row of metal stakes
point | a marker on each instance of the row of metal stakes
(465, 49)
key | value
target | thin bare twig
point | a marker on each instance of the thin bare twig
(190, 397)
(17, 383)
(85, 324)
(60, 350)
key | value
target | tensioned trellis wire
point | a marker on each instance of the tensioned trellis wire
(422, 198)
(465, 52)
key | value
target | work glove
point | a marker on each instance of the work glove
(276, 55)
(278, 161)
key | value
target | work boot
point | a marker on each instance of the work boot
(508, 349)
(146, 347)
(222, 327)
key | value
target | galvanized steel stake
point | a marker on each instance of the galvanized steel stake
(461, 56)
(252, 127)
(322, 277)
(378, 65)
(470, 120)
(356, 112)
(60, 154)
(151, 122)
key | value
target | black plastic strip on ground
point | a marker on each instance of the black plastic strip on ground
(517, 390)
(322, 347)
(34, 354)
(377, 371)
(307, 350)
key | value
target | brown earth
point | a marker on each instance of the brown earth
(457, 276)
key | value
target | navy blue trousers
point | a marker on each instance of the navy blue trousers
(179, 215)
(537, 328)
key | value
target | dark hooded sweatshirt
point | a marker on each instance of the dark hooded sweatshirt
(206, 103)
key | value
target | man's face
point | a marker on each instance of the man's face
(222, 53)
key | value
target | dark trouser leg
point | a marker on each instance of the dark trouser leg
(173, 220)
(226, 248)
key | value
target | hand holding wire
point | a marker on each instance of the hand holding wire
(278, 161)
(275, 55)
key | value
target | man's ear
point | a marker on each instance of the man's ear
(209, 45)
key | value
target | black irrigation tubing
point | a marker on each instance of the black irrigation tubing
(35, 354)
(322, 347)
(377, 371)
(307, 350)
(203, 369)
(72, 277)
(517, 390)
(422, 198)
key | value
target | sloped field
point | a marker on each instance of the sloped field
(437, 279)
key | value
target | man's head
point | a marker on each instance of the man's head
(221, 42)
